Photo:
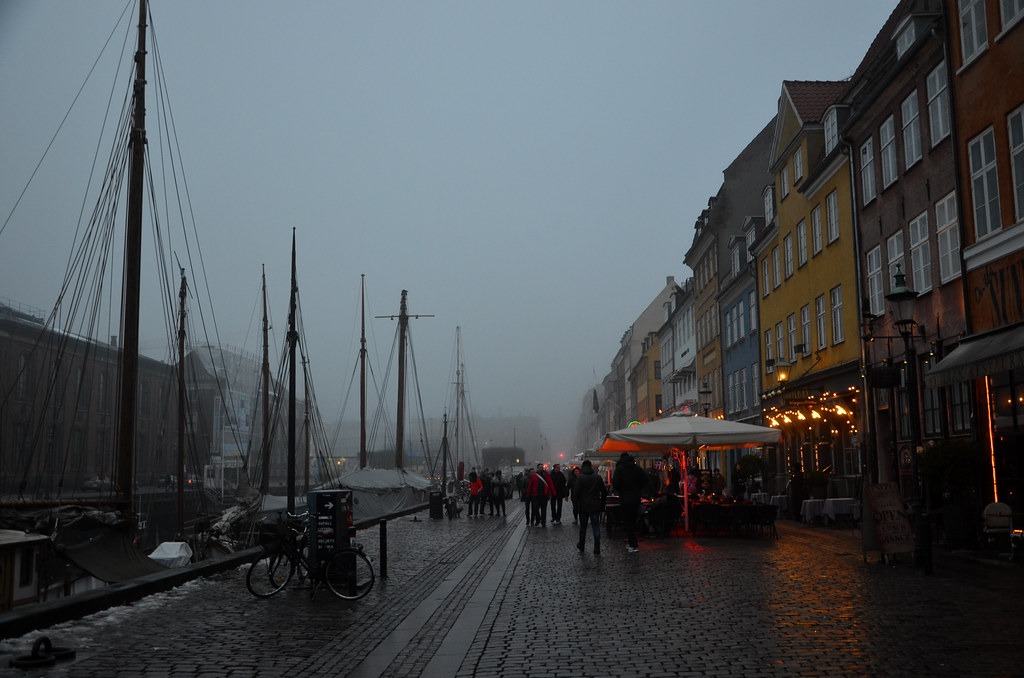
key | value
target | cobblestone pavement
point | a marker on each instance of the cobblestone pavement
(491, 597)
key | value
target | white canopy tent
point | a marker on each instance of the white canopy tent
(679, 431)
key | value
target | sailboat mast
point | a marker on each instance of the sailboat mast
(293, 338)
(362, 374)
(403, 329)
(265, 447)
(444, 458)
(132, 276)
(181, 405)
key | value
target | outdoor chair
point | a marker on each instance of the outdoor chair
(998, 524)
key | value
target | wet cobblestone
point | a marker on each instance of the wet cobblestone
(805, 605)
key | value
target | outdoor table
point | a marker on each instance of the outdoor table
(782, 501)
(759, 497)
(811, 509)
(841, 506)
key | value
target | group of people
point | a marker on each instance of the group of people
(487, 491)
(538, 489)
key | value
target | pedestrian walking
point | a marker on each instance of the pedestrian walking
(485, 492)
(559, 486)
(499, 492)
(524, 495)
(589, 496)
(629, 482)
(537, 491)
(574, 474)
(476, 486)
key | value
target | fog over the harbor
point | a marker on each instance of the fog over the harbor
(529, 171)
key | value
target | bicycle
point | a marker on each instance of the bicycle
(346, 571)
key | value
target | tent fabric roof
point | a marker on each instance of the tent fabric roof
(383, 479)
(688, 431)
(979, 356)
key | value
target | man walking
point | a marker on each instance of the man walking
(537, 492)
(559, 482)
(629, 482)
(589, 495)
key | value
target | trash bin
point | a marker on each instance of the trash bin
(436, 506)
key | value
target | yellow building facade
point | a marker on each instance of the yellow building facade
(808, 293)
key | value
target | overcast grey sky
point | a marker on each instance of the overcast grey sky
(529, 171)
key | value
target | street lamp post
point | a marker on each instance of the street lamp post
(902, 299)
(705, 396)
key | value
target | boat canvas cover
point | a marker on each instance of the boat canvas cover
(112, 558)
(379, 492)
(172, 554)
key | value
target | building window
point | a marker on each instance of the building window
(787, 247)
(769, 204)
(791, 329)
(905, 39)
(894, 252)
(801, 243)
(737, 257)
(960, 407)
(780, 341)
(947, 236)
(836, 296)
(984, 184)
(766, 281)
(819, 311)
(798, 165)
(1012, 11)
(920, 253)
(938, 104)
(816, 230)
(831, 130)
(887, 141)
(911, 131)
(832, 215)
(741, 323)
(1016, 125)
(768, 352)
(784, 179)
(755, 381)
(21, 389)
(776, 267)
(867, 170)
(973, 32)
(873, 268)
(805, 327)
(931, 411)
(752, 306)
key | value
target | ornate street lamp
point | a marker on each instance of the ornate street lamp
(705, 396)
(902, 300)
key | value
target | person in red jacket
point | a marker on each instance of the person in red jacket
(476, 488)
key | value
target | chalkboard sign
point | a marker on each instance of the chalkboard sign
(886, 526)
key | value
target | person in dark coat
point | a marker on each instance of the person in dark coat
(558, 496)
(589, 495)
(629, 482)
(574, 474)
(499, 493)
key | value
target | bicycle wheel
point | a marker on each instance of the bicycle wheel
(349, 574)
(269, 574)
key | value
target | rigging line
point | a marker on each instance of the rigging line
(425, 438)
(67, 113)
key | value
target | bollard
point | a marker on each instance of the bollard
(383, 549)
